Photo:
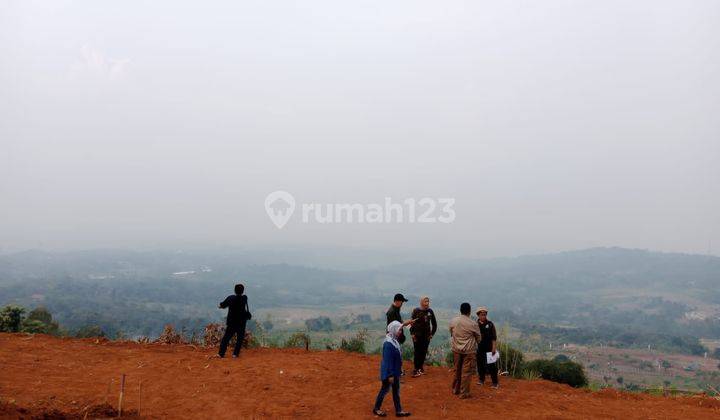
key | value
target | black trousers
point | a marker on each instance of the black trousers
(230, 331)
(384, 387)
(420, 349)
(484, 368)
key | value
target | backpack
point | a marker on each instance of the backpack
(248, 315)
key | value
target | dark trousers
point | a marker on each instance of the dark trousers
(484, 368)
(230, 331)
(420, 346)
(384, 388)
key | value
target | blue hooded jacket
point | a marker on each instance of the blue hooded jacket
(391, 364)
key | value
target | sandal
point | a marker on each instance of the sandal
(379, 413)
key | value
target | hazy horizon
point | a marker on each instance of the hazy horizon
(555, 126)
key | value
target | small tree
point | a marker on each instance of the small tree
(11, 318)
(40, 320)
(40, 314)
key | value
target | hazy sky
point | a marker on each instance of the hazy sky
(555, 125)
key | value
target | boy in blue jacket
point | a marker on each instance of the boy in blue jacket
(390, 369)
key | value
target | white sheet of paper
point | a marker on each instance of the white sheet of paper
(492, 359)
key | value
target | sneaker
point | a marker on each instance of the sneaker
(402, 414)
(422, 371)
(416, 373)
(495, 386)
(235, 356)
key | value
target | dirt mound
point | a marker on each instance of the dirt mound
(45, 377)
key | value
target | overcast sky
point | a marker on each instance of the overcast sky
(555, 125)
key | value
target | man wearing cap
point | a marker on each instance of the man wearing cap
(488, 344)
(465, 337)
(393, 314)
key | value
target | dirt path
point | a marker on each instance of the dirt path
(42, 374)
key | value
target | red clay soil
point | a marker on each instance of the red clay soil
(46, 377)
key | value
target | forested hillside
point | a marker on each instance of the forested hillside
(598, 296)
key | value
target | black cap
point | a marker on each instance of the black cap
(399, 296)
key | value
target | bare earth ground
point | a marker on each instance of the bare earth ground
(48, 377)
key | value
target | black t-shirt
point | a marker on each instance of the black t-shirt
(393, 314)
(488, 335)
(426, 323)
(237, 309)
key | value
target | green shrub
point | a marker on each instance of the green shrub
(561, 358)
(298, 339)
(40, 314)
(646, 365)
(511, 360)
(594, 386)
(570, 373)
(355, 344)
(40, 320)
(11, 318)
(633, 387)
(34, 326)
(529, 374)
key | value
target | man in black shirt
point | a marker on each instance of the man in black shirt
(488, 344)
(393, 314)
(237, 317)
